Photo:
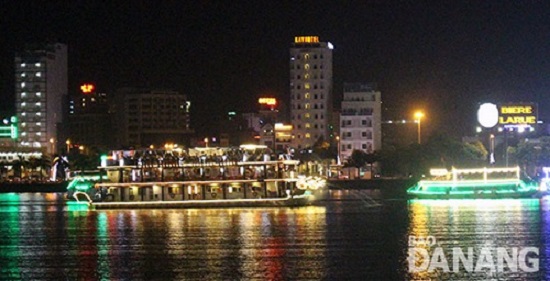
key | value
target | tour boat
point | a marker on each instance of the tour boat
(198, 177)
(504, 182)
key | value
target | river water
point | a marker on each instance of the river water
(354, 235)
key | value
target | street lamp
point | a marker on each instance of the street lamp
(338, 147)
(68, 142)
(52, 142)
(418, 116)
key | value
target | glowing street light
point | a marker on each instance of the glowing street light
(68, 142)
(418, 116)
(338, 161)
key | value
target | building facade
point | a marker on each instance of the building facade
(145, 117)
(41, 85)
(310, 90)
(360, 119)
(90, 121)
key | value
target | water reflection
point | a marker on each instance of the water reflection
(354, 235)
(477, 224)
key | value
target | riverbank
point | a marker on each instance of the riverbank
(19, 187)
(392, 188)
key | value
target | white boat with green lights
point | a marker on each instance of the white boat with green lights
(199, 177)
(503, 182)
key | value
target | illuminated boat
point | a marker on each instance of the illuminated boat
(474, 183)
(200, 177)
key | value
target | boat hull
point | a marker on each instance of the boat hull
(479, 195)
(269, 202)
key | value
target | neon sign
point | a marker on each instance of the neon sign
(87, 88)
(268, 101)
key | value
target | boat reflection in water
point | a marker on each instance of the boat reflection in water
(484, 225)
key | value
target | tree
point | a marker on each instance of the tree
(357, 159)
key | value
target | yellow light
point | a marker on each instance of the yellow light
(418, 114)
(267, 101)
(87, 88)
(306, 39)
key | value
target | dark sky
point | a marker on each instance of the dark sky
(444, 57)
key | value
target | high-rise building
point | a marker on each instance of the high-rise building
(360, 119)
(89, 119)
(310, 90)
(41, 85)
(144, 117)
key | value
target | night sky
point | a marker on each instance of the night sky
(444, 58)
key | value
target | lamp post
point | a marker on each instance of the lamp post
(52, 143)
(338, 147)
(418, 116)
(68, 142)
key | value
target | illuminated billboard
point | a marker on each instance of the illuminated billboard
(507, 115)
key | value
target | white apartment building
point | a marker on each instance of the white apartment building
(41, 85)
(310, 90)
(360, 119)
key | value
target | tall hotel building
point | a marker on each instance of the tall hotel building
(41, 85)
(360, 119)
(310, 90)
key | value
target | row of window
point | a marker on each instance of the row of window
(306, 66)
(30, 74)
(309, 56)
(307, 86)
(35, 88)
(308, 126)
(364, 122)
(364, 146)
(308, 116)
(308, 76)
(307, 96)
(26, 95)
(308, 106)
(349, 135)
(354, 111)
(37, 64)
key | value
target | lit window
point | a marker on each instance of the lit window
(38, 74)
(24, 124)
(308, 125)
(23, 84)
(37, 64)
(23, 104)
(23, 94)
(306, 115)
(306, 86)
(39, 134)
(38, 124)
(23, 133)
(308, 135)
(23, 114)
(23, 74)
(306, 76)
(307, 95)
(23, 65)
(38, 94)
(307, 106)
(306, 56)
(38, 104)
(306, 66)
(38, 113)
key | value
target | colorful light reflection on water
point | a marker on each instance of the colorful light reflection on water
(350, 237)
